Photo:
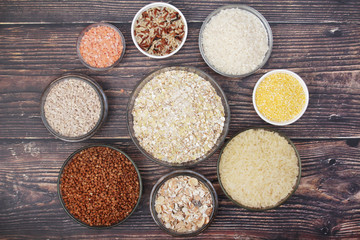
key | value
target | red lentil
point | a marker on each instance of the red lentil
(101, 46)
(99, 186)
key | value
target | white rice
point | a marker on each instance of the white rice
(235, 41)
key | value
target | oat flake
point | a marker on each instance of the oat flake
(178, 116)
(184, 204)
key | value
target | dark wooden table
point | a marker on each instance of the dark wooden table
(319, 40)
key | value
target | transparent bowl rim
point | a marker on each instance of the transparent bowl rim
(102, 97)
(95, 25)
(176, 173)
(219, 91)
(259, 16)
(60, 195)
(296, 185)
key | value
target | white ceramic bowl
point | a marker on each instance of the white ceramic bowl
(151, 5)
(302, 83)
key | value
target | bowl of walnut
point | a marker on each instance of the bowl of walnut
(183, 203)
(159, 30)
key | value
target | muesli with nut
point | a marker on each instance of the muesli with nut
(184, 204)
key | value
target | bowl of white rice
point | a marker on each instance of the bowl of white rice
(259, 169)
(235, 40)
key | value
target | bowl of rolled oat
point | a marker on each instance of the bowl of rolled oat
(183, 203)
(178, 116)
(159, 30)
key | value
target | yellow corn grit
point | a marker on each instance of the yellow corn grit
(280, 97)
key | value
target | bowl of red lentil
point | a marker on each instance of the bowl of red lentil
(99, 186)
(178, 116)
(280, 97)
(159, 30)
(183, 203)
(73, 107)
(100, 46)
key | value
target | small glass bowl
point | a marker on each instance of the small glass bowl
(62, 201)
(281, 201)
(261, 18)
(130, 120)
(302, 83)
(152, 5)
(103, 101)
(173, 174)
(96, 25)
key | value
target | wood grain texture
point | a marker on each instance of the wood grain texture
(32, 56)
(63, 11)
(317, 39)
(325, 204)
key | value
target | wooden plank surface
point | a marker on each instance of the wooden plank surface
(317, 39)
(307, 11)
(35, 55)
(325, 204)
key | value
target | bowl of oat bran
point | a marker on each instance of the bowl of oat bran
(178, 116)
(183, 203)
(73, 107)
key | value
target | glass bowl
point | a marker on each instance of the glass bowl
(62, 201)
(302, 83)
(260, 17)
(152, 5)
(219, 91)
(281, 201)
(96, 25)
(173, 174)
(102, 98)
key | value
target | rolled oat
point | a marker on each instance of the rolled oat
(178, 116)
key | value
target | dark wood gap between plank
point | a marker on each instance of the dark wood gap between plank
(96, 140)
(189, 22)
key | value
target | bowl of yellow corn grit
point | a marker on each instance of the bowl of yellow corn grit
(280, 97)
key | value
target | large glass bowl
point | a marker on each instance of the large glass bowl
(259, 16)
(219, 91)
(282, 200)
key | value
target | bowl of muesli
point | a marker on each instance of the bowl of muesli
(159, 30)
(178, 116)
(183, 203)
